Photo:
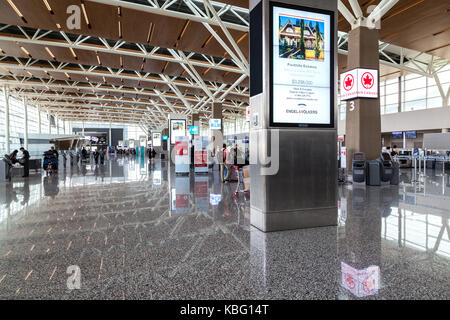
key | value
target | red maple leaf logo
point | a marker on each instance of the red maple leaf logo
(348, 82)
(367, 81)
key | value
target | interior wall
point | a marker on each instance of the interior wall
(420, 120)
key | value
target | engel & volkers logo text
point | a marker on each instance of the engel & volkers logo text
(301, 111)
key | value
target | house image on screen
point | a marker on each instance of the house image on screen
(301, 39)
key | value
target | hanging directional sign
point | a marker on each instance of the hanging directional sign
(359, 83)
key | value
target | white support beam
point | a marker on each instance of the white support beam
(381, 9)
(39, 119)
(346, 13)
(7, 129)
(25, 118)
(169, 13)
(114, 75)
(356, 8)
(115, 50)
(230, 38)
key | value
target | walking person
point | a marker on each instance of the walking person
(96, 155)
(25, 161)
(221, 158)
(228, 161)
(102, 156)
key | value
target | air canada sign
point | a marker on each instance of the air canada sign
(359, 83)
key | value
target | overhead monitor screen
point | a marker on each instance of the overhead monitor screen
(302, 66)
(410, 134)
(397, 135)
(177, 128)
(165, 137)
(102, 140)
(156, 137)
(193, 129)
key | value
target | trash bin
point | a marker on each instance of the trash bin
(386, 169)
(395, 173)
(373, 173)
(359, 167)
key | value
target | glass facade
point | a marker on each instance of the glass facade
(17, 125)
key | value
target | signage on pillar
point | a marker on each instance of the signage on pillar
(156, 139)
(200, 154)
(247, 114)
(182, 154)
(302, 66)
(359, 83)
(344, 157)
(215, 124)
(177, 128)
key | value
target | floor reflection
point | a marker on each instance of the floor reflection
(137, 230)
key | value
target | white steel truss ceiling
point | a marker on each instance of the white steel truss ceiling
(188, 55)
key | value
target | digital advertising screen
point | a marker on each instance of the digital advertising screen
(302, 66)
(193, 129)
(397, 135)
(177, 128)
(410, 134)
(215, 124)
(156, 137)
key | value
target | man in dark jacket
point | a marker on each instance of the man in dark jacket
(25, 162)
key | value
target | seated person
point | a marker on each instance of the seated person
(13, 157)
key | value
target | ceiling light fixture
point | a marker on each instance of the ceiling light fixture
(48, 7)
(17, 11)
(73, 53)
(85, 15)
(26, 51)
(50, 53)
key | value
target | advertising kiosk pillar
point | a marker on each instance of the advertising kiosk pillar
(177, 127)
(293, 83)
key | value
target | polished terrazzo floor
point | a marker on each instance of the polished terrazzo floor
(132, 229)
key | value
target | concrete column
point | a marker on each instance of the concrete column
(82, 129)
(8, 148)
(293, 168)
(57, 125)
(64, 126)
(25, 135)
(363, 123)
(216, 135)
